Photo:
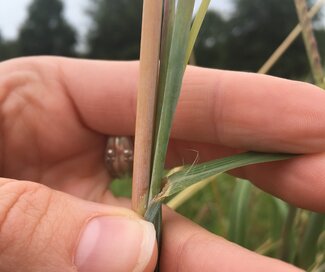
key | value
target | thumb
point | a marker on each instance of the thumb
(45, 230)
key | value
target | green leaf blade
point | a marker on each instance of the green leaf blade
(166, 41)
(193, 174)
(198, 21)
(174, 79)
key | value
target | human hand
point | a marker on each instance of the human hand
(55, 114)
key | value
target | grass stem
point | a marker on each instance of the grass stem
(288, 40)
(310, 42)
(146, 102)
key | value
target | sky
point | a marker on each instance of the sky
(14, 12)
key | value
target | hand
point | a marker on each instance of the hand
(55, 113)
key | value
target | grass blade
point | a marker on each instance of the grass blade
(238, 212)
(176, 30)
(149, 60)
(199, 18)
(166, 40)
(195, 173)
(174, 78)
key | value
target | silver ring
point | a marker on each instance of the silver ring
(119, 156)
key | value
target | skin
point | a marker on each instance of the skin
(56, 114)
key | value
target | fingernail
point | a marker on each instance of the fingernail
(115, 244)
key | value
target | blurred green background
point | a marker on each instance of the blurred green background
(241, 38)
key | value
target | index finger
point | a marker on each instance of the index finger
(235, 109)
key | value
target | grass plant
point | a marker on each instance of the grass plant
(168, 37)
(166, 47)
